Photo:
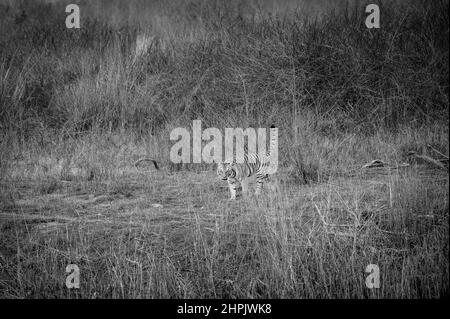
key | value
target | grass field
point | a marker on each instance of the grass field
(79, 106)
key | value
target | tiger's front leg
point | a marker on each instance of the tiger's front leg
(232, 186)
(244, 186)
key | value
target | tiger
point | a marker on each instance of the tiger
(254, 165)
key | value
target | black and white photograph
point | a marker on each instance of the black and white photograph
(208, 150)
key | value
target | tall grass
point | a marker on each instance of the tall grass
(77, 107)
(217, 62)
(310, 243)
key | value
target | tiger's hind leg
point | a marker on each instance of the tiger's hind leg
(273, 184)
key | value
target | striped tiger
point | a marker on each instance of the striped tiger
(254, 165)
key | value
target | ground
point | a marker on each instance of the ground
(175, 234)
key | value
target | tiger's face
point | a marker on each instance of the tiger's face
(224, 170)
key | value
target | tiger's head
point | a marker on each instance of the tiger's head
(225, 170)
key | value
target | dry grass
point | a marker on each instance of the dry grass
(162, 235)
(79, 107)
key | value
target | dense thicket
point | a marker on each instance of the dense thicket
(228, 66)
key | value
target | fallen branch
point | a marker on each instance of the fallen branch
(427, 159)
(379, 163)
(375, 163)
(147, 160)
(446, 156)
